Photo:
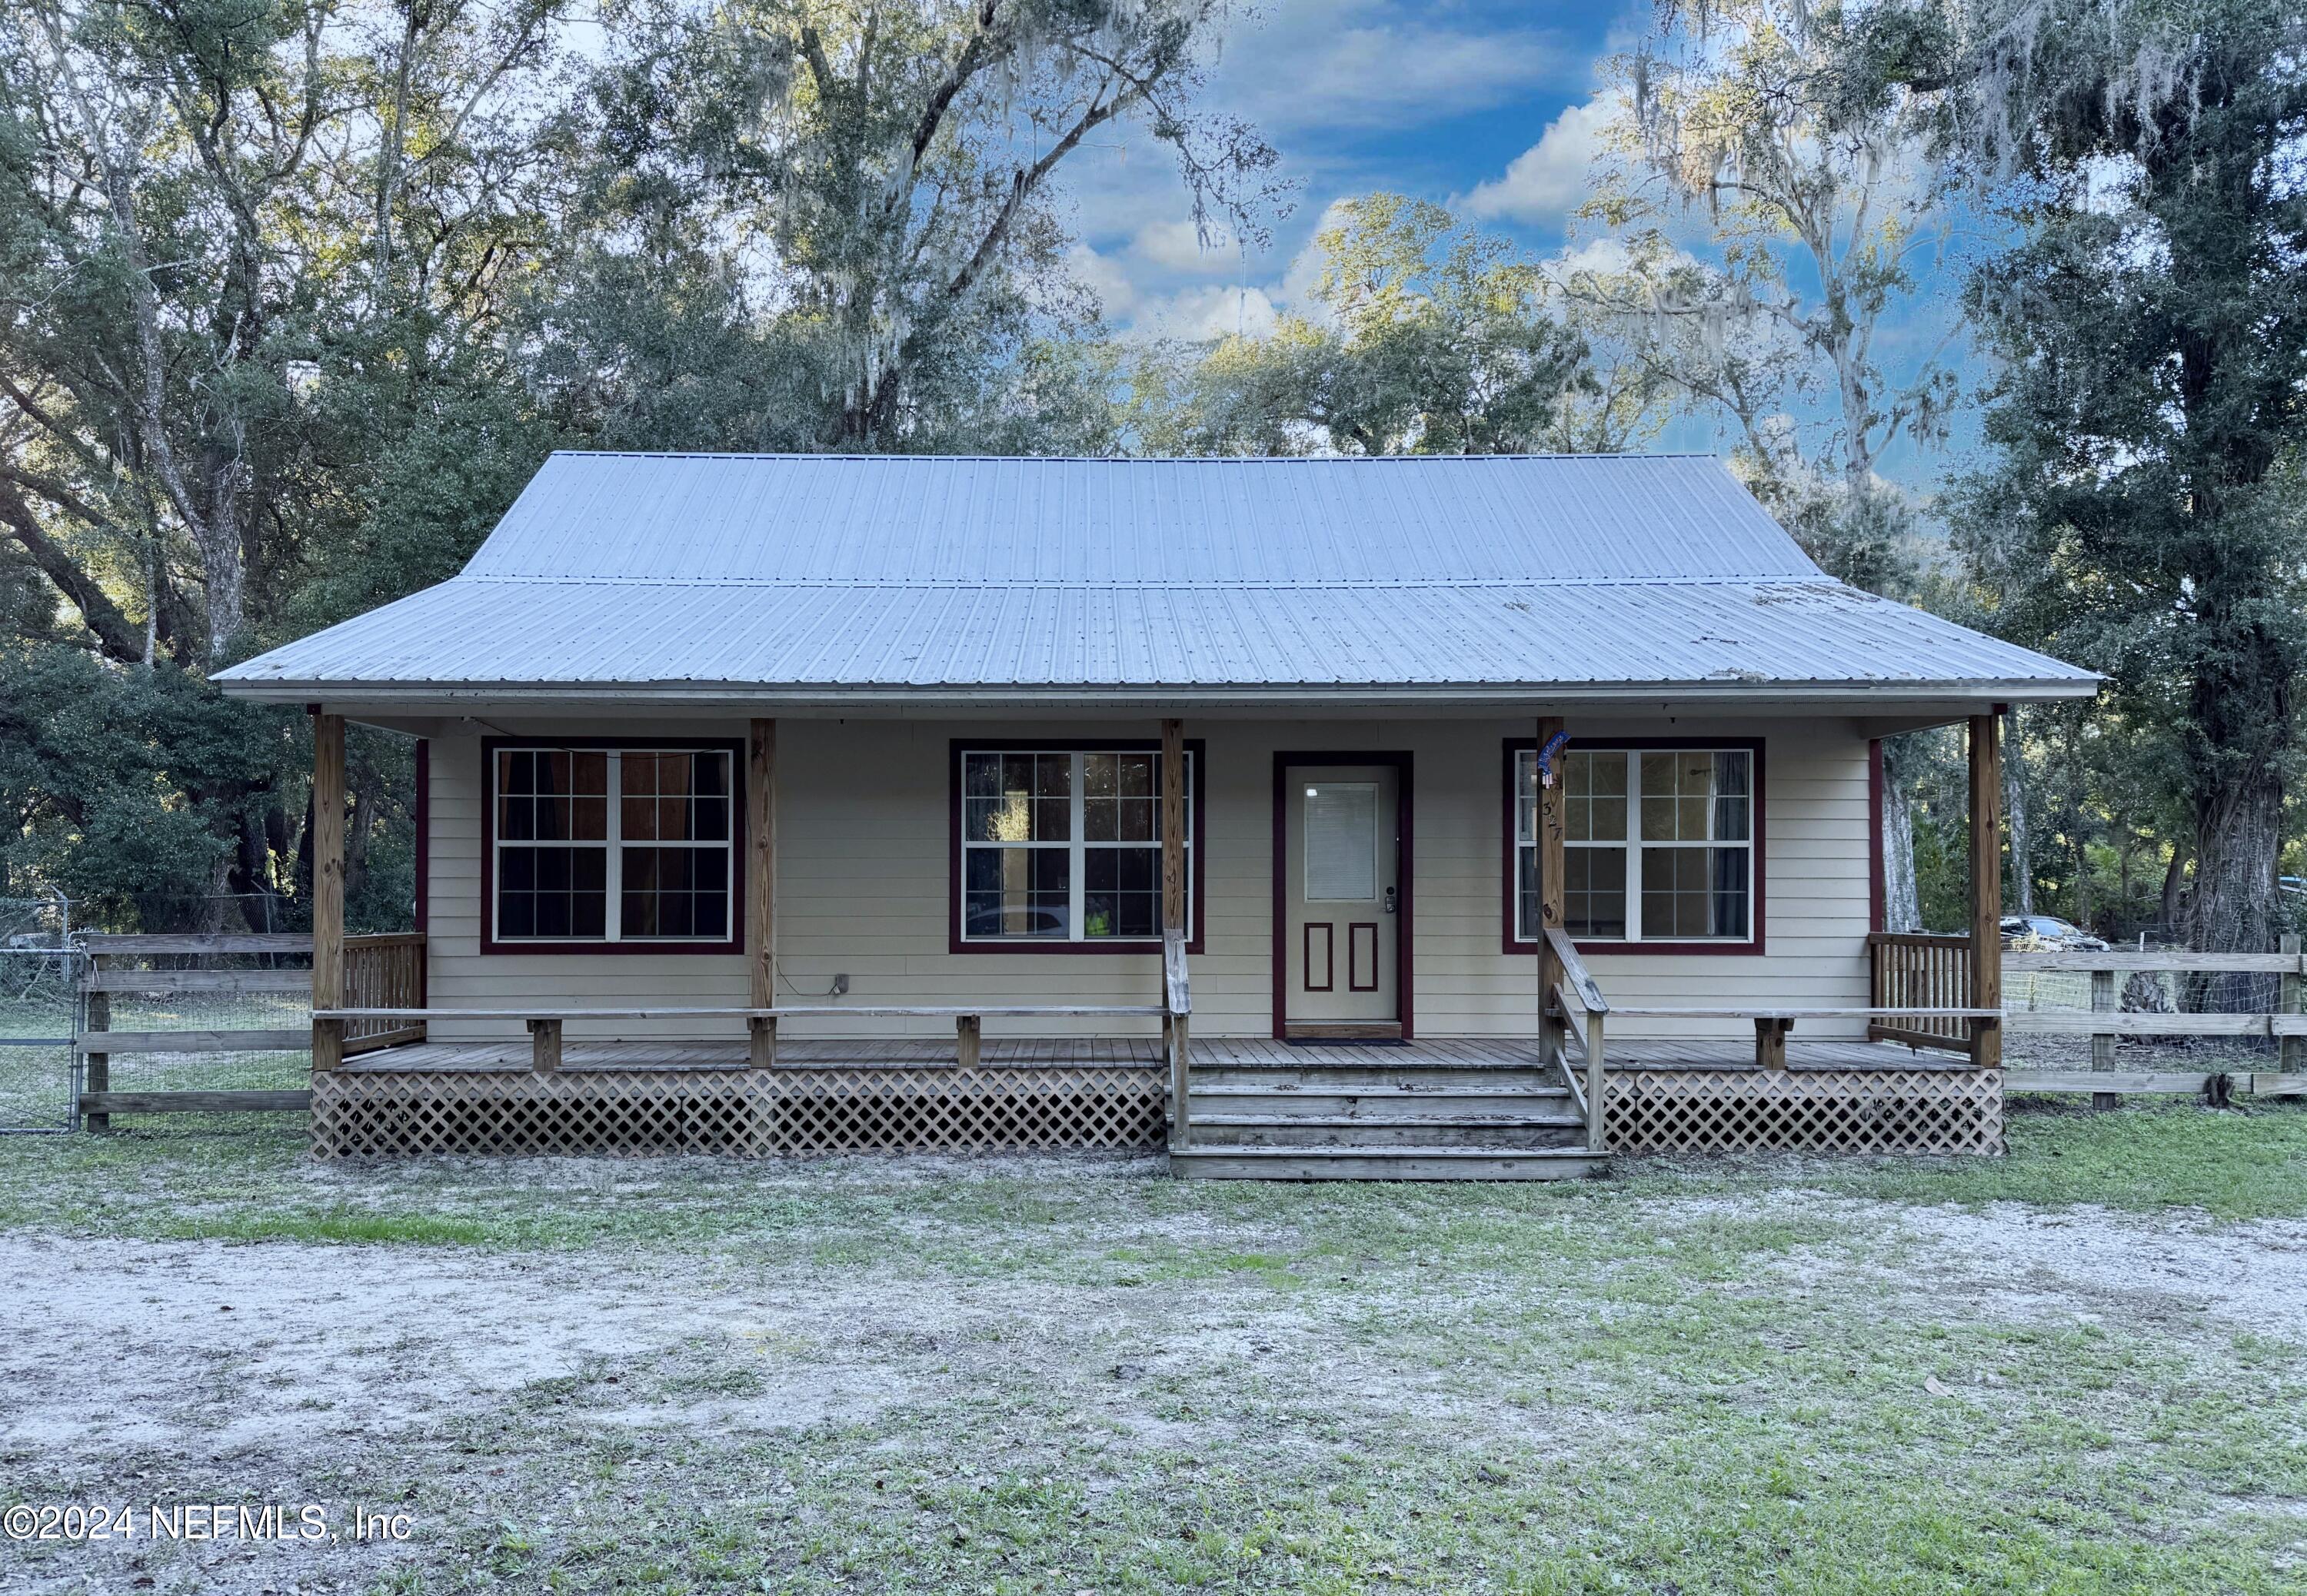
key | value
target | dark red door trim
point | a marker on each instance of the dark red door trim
(1405, 901)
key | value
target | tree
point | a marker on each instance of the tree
(243, 256)
(814, 224)
(1427, 336)
(1801, 135)
(1794, 132)
(2143, 512)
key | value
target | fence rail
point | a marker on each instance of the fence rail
(382, 971)
(2105, 1022)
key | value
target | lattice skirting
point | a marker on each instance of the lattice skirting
(1837, 1111)
(369, 1113)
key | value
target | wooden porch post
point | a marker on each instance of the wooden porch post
(1986, 888)
(1173, 825)
(1173, 906)
(1551, 1026)
(328, 887)
(761, 889)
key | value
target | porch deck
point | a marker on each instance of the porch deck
(1113, 1092)
(1461, 1053)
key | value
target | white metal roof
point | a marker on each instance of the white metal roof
(927, 578)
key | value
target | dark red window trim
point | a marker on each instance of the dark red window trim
(734, 942)
(1510, 944)
(957, 944)
(423, 818)
(1875, 861)
(1405, 938)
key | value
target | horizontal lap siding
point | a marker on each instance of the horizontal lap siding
(862, 883)
(461, 976)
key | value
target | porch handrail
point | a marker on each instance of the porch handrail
(782, 1011)
(1767, 1011)
(1177, 1008)
(1578, 980)
(1574, 971)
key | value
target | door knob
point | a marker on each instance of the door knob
(1389, 900)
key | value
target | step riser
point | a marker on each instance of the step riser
(1441, 1108)
(1344, 1080)
(1331, 1167)
(1354, 1138)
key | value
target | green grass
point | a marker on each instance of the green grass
(1698, 1376)
(244, 1179)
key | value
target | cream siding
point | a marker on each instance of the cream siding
(863, 862)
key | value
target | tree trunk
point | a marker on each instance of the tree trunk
(1902, 909)
(2240, 739)
(2016, 826)
(2238, 834)
(2174, 881)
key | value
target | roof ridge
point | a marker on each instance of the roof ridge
(1139, 583)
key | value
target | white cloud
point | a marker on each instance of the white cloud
(1604, 256)
(1546, 181)
(1304, 273)
(1117, 295)
(1198, 314)
(1179, 246)
(1343, 62)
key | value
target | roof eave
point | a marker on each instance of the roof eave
(740, 695)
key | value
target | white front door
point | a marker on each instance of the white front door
(1339, 895)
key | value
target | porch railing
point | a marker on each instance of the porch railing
(384, 972)
(1914, 970)
(1581, 995)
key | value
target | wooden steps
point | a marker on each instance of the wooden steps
(1387, 1120)
(1385, 1163)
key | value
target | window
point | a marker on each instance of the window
(613, 845)
(1064, 846)
(1658, 845)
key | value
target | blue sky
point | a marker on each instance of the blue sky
(1438, 101)
(1488, 108)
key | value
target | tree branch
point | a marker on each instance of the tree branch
(115, 636)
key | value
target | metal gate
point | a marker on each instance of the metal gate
(39, 1011)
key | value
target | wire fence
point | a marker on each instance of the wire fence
(45, 1000)
(40, 1011)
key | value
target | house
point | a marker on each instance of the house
(1304, 816)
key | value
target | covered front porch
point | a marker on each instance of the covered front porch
(1586, 1078)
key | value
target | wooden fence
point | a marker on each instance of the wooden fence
(384, 971)
(2105, 1023)
(1922, 969)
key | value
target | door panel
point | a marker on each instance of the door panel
(1339, 888)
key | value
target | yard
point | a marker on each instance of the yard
(2081, 1368)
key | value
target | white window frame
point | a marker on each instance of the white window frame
(613, 873)
(1525, 771)
(1077, 846)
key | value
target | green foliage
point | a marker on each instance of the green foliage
(2145, 511)
(1429, 337)
(127, 787)
(1792, 138)
(296, 300)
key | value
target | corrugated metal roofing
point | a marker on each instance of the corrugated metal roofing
(833, 573)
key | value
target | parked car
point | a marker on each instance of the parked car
(2049, 931)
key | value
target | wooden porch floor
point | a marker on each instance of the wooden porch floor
(1726, 1053)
